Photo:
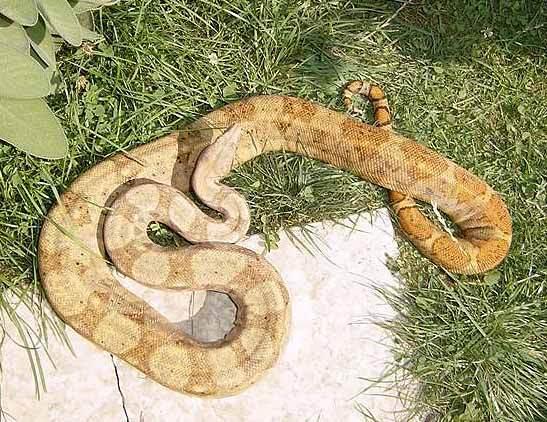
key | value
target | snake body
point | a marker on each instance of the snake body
(104, 214)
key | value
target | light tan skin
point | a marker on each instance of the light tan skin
(109, 207)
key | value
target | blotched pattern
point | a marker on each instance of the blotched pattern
(140, 187)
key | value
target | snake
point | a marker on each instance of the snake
(99, 224)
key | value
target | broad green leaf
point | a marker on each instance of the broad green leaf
(43, 51)
(43, 137)
(81, 6)
(42, 42)
(13, 35)
(86, 22)
(21, 76)
(61, 17)
(89, 35)
(48, 70)
(20, 11)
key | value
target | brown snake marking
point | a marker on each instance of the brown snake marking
(109, 207)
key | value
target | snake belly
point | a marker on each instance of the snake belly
(78, 279)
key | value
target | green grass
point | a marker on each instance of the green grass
(467, 78)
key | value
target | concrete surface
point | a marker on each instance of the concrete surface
(333, 351)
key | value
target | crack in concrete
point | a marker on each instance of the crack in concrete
(120, 388)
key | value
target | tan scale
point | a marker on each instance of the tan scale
(108, 208)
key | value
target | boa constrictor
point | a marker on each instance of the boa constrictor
(106, 211)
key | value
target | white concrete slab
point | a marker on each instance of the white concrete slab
(333, 348)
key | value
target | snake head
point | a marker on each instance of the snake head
(215, 161)
(225, 146)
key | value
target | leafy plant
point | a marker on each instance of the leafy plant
(31, 31)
